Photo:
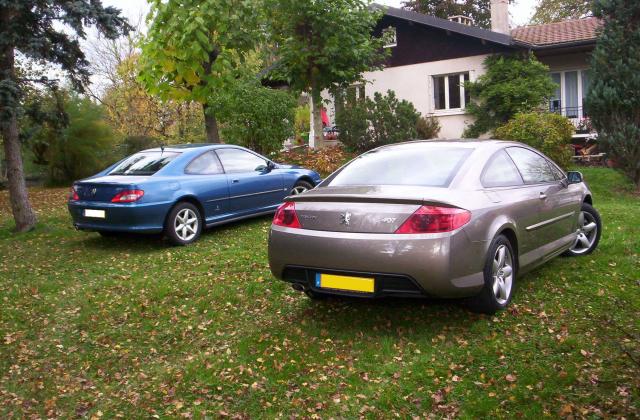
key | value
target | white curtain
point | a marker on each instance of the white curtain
(571, 94)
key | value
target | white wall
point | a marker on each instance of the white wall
(414, 84)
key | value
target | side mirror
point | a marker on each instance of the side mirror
(574, 177)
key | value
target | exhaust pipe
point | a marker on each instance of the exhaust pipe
(298, 287)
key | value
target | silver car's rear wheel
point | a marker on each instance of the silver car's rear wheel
(502, 274)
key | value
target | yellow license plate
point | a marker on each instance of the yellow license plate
(348, 283)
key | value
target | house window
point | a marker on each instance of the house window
(449, 91)
(390, 37)
(571, 91)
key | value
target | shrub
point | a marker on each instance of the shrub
(428, 127)
(134, 144)
(256, 117)
(85, 146)
(547, 132)
(613, 101)
(324, 161)
(511, 85)
(371, 123)
(302, 123)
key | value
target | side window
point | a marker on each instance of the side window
(557, 172)
(236, 160)
(501, 172)
(534, 168)
(205, 164)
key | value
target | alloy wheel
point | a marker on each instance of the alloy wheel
(298, 190)
(502, 273)
(587, 233)
(186, 224)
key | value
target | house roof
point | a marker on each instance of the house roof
(446, 25)
(567, 32)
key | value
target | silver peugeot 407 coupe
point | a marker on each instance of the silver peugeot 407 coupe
(449, 219)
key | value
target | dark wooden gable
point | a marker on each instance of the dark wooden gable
(417, 43)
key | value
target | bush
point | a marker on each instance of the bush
(370, 123)
(134, 144)
(324, 161)
(547, 132)
(511, 85)
(256, 117)
(428, 127)
(302, 124)
(85, 146)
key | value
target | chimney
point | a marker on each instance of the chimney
(500, 16)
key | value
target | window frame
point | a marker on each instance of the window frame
(447, 100)
(488, 164)
(393, 31)
(266, 161)
(215, 156)
(562, 109)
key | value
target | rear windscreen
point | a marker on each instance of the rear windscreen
(413, 164)
(144, 163)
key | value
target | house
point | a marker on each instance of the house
(431, 58)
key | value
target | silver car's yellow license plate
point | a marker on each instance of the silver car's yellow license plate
(347, 283)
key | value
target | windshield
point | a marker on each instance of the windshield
(144, 163)
(412, 164)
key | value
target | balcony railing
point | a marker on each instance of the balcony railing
(577, 116)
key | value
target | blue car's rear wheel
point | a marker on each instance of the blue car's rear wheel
(184, 224)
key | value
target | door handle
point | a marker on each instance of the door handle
(235, 181)
(543, 196)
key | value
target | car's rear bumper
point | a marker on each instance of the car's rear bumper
(139, 218)
(441, 265)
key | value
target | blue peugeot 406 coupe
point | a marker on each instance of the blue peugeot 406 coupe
(178, 190)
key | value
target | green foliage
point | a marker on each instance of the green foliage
(84, 147)
(548, 11)
(323, 43)
(256, 117)
(511, 85)
(371, 123)
(302, 124)
(547, 132)
(613, 102)
(134, 144)
(428, 127)
(479, 10)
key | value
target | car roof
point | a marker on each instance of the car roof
(467, 142)
(190, 147)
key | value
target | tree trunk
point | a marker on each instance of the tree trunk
(316, 109)
(23, 214)
(210, 125)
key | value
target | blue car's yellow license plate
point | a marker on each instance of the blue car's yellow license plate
(346, 283)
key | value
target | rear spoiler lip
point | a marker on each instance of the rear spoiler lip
(352, 198)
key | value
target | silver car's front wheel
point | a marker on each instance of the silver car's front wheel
(588, 233)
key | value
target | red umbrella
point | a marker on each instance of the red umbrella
(325, 117)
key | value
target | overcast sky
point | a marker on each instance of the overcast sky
(520, 10)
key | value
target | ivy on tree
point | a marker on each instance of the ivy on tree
(613, 101)
(45, 31)
(195, 48)
(323, 44)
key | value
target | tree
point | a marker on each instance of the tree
(322, 44)
(45, 31)
(256, 117)
(511, 85)
(194, 48)
(613, 101)
(478, 10)
(548, 11)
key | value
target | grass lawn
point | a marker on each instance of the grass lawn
(130, 327)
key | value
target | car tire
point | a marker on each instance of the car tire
(301, 187)
(499, 284)
(180, 227)
(589, 231)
